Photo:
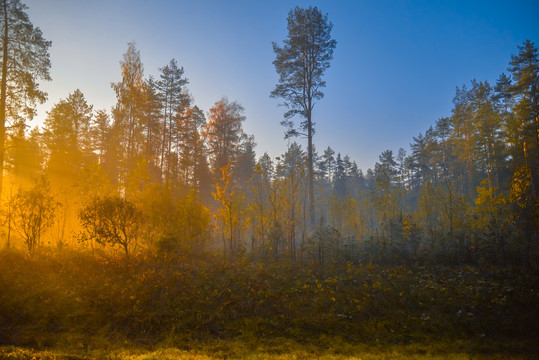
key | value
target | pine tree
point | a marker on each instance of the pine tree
(525, 71)
(300, 63)
(67, 136)
(129, 110)
(25, 59)
(339, 180)
(170, 88)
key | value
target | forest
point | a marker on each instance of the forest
(156, 225)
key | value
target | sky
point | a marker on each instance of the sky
(394, 73)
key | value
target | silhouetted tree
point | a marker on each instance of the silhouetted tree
(33, 212)
(111, 220)
(67, 136)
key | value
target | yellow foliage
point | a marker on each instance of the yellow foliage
(520, 187)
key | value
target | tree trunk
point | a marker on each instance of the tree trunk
(310, 166)
(3, 94)
(163, 143)
(293, 220)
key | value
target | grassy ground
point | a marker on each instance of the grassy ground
(83, 306)
(286, 349)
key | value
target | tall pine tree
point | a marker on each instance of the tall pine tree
(300, 63)
(24, 59)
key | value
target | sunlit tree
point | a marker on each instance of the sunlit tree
(25, 60)
(129, 110)
(24, 156)
(67, 136)
(223, 133)
(33, 212)
(525, 72)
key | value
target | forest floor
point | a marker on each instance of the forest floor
(352, 353)
(79, 306)
(286, 349)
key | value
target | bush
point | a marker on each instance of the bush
(67, 296)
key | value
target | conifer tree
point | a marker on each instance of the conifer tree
(172, 97)
(525, 71)
(300, 63)
(129, 110)
(24, 60)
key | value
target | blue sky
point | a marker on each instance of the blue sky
(394, 72)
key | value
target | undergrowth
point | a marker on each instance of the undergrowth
(85, 303)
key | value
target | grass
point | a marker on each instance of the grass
(82, 306)
(285, 349)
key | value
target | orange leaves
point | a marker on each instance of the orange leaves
(223, 132)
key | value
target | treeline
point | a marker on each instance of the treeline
(158, 173)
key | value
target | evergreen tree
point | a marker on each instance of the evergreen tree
(100, 133)
(24, 156)
(25, 59)
(525, 71)
(152, 128)
(172, 97)
(129, 110)
(300, 63)
(339, 180)
(328, 161)
(67, 137)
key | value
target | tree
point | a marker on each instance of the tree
(464, 137)
(291, 169)
(300, 63)
(129, 110)
(223, 133)
(386, 169)
(261, 189)
(328, 161)
(488, 126)
(191, 147)
(172, 96)
(24, 156)
(510, 134)
(67, 136)
(339, 181)
(152, 126)
(100, 134)
(33, 212)
(111, 220)
(25, 59)
(229, 213)
(525, 71)
(246, 162)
